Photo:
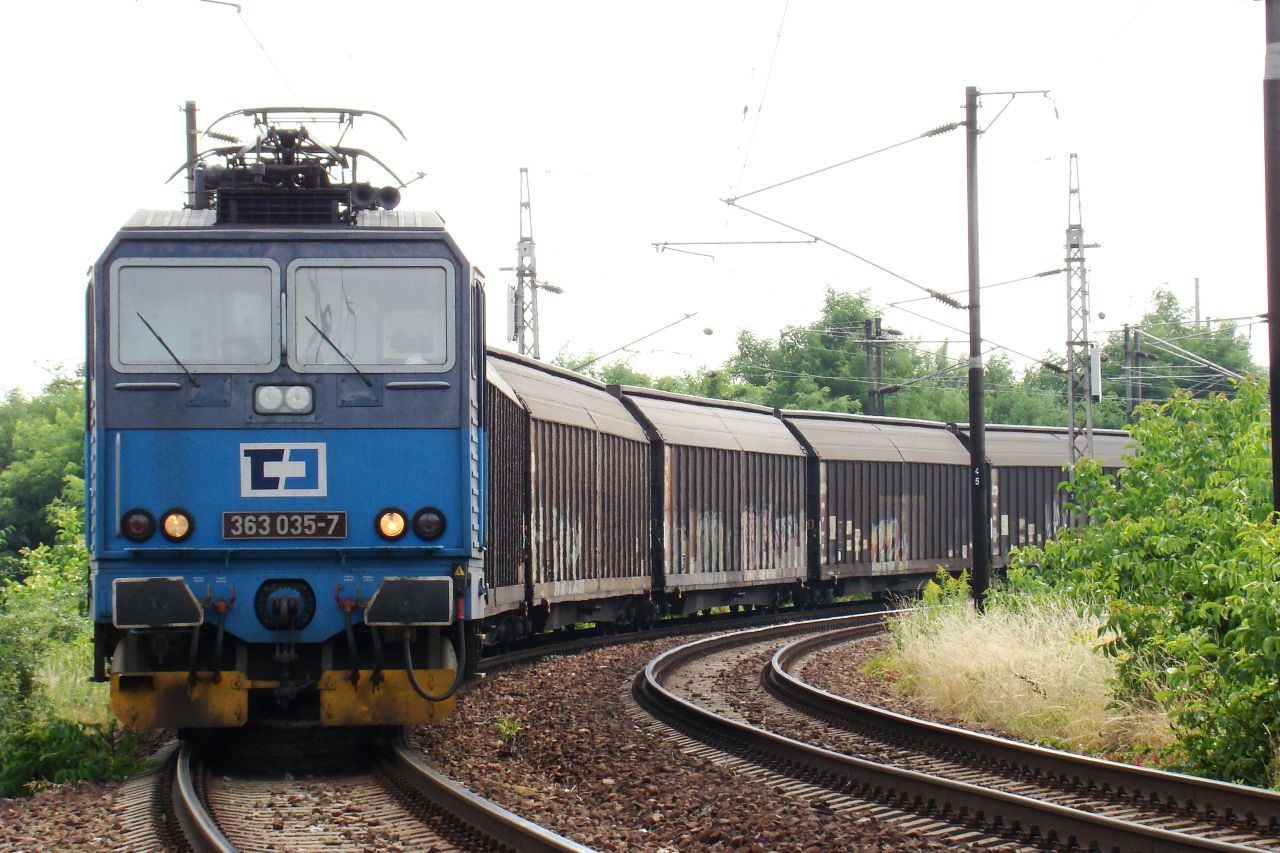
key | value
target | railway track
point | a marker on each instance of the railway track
(944, 783)
(676, 627)
(396, 803)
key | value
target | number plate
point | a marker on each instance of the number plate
(284, 525)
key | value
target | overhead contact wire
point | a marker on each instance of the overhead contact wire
(928, 133)
(755, 124)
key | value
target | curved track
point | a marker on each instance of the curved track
(673, 627)
(1041, 798)
(1195, 806)
(399, 804)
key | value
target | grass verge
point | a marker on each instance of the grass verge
(1029, 666)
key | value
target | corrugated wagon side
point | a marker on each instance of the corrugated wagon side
(507, 475)
(729, 484)
(587, 498)
(1027, 473)
(889, 499)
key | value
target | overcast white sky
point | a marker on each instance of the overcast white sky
(631, 120)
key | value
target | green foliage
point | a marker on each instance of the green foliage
(819, 366)
(55, 727)
(1185, 555)
(64, 751)
(42, 611)
(1164, 374)
(946, 588)
(508, 727)
(882, 666)
(41, 445)
(823, 366)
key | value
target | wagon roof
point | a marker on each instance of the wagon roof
(495, 379)
(840, 437)
(553, 394)
(1043, 446)
(722, 424)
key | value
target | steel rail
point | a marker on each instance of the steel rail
(492, 820)
(199, 827)
(958, 802)
(1241, 804)
(680, 626)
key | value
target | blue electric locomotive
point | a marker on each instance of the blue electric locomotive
(285, 447)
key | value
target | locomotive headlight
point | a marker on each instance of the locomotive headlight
(297, 399)
(267, 399)
(176, 525)
(138, 525)
(429, 523)
(282, 399)
(391, 524)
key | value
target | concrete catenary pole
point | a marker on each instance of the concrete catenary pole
(1271, 148)
(980, 489)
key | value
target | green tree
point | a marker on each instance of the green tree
(822, 365)
(1159, 374)
(41, 445)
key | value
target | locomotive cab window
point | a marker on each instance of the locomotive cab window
(380, 315)
(173, 316)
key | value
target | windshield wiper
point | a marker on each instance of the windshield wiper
(367, 381)
(176, 360)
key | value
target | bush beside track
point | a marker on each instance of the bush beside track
(54, 725)
(1179, 570)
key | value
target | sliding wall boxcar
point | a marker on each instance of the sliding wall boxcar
(1028, 467)
(588, 490)
(1112, 447)
(729, 499)
(889, 497)
(507, 472)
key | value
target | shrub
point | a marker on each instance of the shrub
(1185, 553)
(55, 724)
(64, 751)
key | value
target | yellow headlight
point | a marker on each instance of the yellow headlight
(391, 524)
(176, 525)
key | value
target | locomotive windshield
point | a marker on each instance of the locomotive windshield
(380, 317)
(170, 317)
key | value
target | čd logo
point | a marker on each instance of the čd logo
(283, 471)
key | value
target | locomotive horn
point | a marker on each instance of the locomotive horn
(388, 198)
(362, 196)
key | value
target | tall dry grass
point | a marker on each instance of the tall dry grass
(1028, 666)
(69, 693)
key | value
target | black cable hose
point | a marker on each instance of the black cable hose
(460, 651)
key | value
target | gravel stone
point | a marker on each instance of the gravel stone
(62, 817)
(579, 764)
(574, 739)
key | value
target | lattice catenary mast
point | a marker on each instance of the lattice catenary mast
(522, 297)
(1084, 374)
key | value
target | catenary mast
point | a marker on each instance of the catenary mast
(1083, 365)
(522, 297)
